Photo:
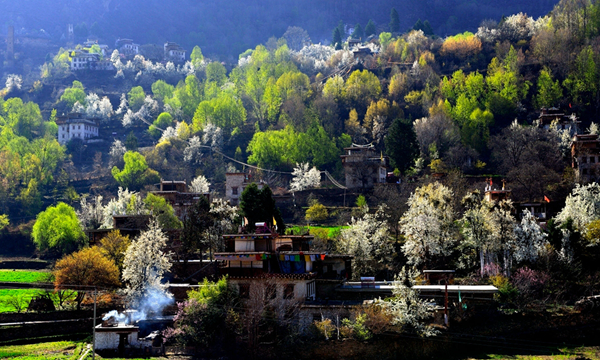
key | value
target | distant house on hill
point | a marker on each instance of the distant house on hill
(174, 52)
(585, 157)
(177, 195)
(563, 121)
(127, 47)
(235, 183)
(81, 60)
(363, 167)
(76, 126)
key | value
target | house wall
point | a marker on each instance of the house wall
(82, 130)
(110, 340)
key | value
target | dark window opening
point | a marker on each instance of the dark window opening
(288, 291)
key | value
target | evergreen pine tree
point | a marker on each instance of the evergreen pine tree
(337, 39)
(401, 144)
(427, 29)
(418, 25)
(394, 21)
(370, 28)
(358, 32)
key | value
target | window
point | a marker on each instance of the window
(584, 159)
(244, 291)
(234, 190)
(271, 292)
(584, 171)
(288, 291)
(592, 159)
(316, 317)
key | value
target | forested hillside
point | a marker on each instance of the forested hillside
(226, 28)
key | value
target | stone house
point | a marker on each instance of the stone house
(235, 183)
(585, 157)
(363, 167)
(177, 195)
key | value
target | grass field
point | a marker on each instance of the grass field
(324, 232)
(583, 353)
(21, 295)
(51, 350)
(26, 276)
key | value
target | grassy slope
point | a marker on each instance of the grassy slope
(50, 350)
(25, 295)
(26, 276)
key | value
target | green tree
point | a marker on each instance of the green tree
(582, 82)
(358, 32)
(132, 175)
(57, 230)
(259, 206)
(131, 142)
(4, 221)
(337, 39)
(136, 97)
(74, 94)
(394, 21)
(197, 221)
(216, 72)
(163, 121)
(549, 92)
(362, 87)
(162, 211)
(317, 212)
(476, 131)
(384, 39)
(401, 145)
(370, 28)
(196, 56)
(162, 91)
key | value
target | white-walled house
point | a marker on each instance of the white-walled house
(127, 47)
(81, 60)
(174, 52)
(76, 126)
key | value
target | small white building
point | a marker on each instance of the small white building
(75, 126)
(81, 60)
(174, 52)
(127, 47)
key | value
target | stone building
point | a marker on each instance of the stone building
(177, 195)
(235, 183)
(363, 167)
(585, 157)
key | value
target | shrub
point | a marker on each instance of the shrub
(507, 293)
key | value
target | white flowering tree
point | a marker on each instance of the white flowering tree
(428, 225)
(200, 185)
(145, 265)
(123, 105)
(503, 231)
(305, 177)
(126, 202)
(193, 151)
(477, 229)
(224, 216)
(409, 311)
(366, 239)
(582, 206)
(117, 150)
(168, 134)
(13, 82)
(530, 240)
(98, 108)
(212, 136)
(91, 214)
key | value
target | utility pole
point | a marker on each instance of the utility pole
(446, 319)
